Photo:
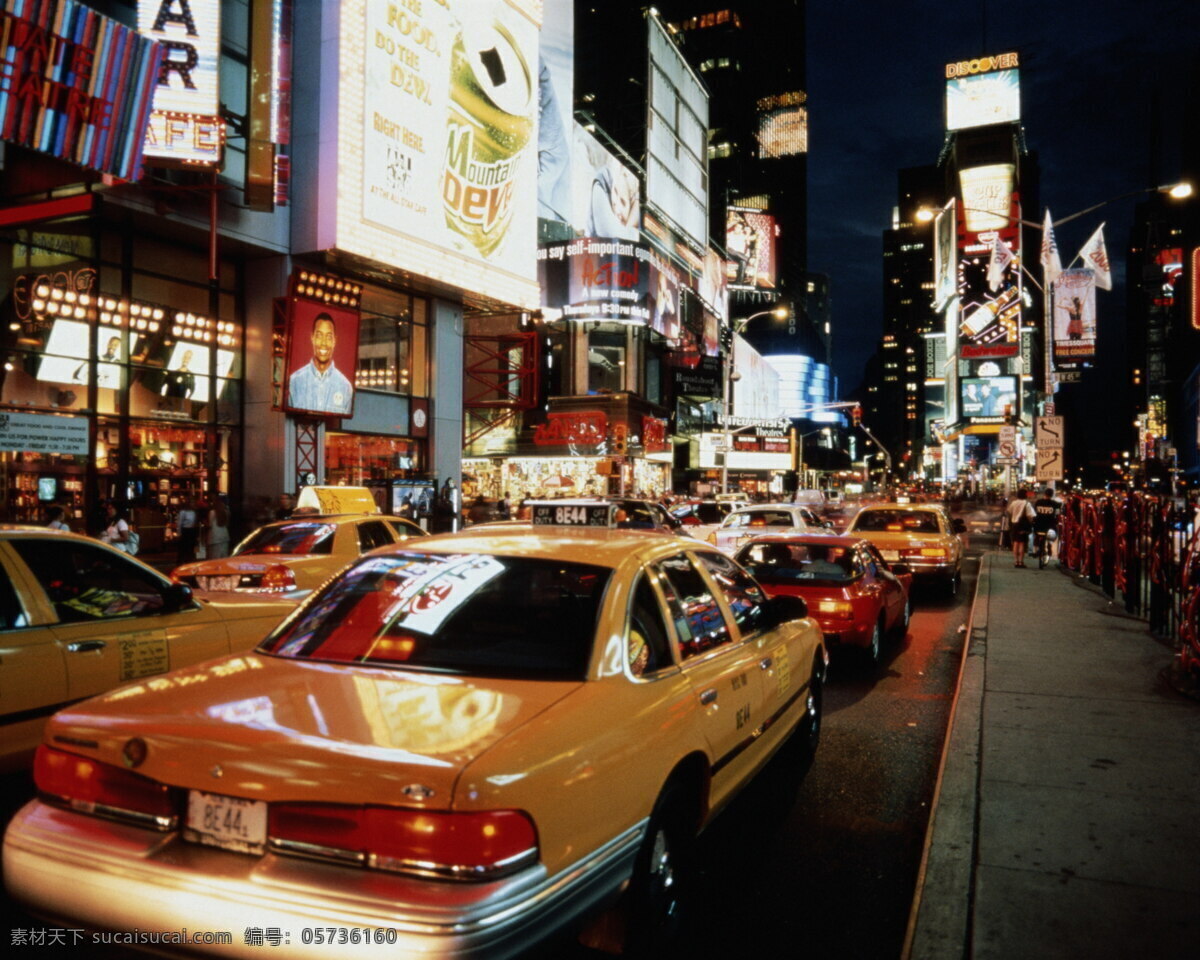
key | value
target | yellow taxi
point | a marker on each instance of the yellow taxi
(330, 527)
(459, 746)
(78, 617)
(921, 535)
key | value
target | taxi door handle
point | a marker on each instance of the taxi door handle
(766, 663)
(708, 696)
(81, 646)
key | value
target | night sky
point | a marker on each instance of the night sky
(1089, 72)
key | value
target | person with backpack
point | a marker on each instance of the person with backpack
(1020, 522)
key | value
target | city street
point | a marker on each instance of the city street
(835, 869)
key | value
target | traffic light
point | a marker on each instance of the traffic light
(856, 415)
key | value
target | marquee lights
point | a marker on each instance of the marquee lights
(326, 288)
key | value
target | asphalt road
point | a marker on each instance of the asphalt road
(828, 869)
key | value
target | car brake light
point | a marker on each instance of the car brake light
(837, 609)
(925, 552)
(460, 846)
(90, 786)
(278, 578)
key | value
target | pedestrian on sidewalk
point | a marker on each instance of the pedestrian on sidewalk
(218, 530)
(1045, 522)
(1020, 522)
(188, 528)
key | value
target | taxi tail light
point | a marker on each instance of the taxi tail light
(837, 609)
(278, 577)
(926, 552)
(90, 786)
(462, 846)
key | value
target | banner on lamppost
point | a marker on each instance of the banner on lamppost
(1074, 298)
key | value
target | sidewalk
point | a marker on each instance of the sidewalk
(1067, 817)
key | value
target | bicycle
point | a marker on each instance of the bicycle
(1041, 547)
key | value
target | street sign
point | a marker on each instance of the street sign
(1007, 461)
(1008, 433)
(1069, 376)
(1049, 465)
(1049, 433)
(1008, 450)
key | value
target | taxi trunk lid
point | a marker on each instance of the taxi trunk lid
(272, 729)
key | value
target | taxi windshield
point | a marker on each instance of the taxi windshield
(294, 539)
(897, 521)
(462, 613)
(803, 562)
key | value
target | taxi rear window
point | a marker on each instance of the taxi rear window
(460, 613)
(775, 563)
(897, 521)
(294, 539)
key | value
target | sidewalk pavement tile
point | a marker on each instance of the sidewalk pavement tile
(1122, 838)
(1063, 758)
(1173, 719)
(1056, 917)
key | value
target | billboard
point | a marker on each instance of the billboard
(989, 320)
(556, 93)
(437, 143)
(988, 396)
(987, 194)
(982, 99)
(76, 85)
(782, 125)
(714, 285)
(676, 139)
(185, 125)
(750, 241)
(1074, 316)
(322, 356)
(605, 194)
(945, 227)
(756, 391)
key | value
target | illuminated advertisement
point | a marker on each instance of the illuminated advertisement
(944, 259)
(987, 196)
(988, 396)
(185, 126)
(77, 85)
(594, 278)
(605, 194)
(1074, 315)
(322, 356)
(556, 95)
(983, 99)
(187, 372)
(750, 241)
(676, 139)
(714, 285)
(65, 359)
(782, 125)
(756, 390)
(989, 320)
(436, 142)
(1171, 263)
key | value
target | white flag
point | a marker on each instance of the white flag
(1051, 264)
(998, 265)
(1095, 257)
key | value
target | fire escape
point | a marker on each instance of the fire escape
(501, 379)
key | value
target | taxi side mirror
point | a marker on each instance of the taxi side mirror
(783, 609)
(176, 597)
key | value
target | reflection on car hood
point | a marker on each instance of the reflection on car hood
(282, 729)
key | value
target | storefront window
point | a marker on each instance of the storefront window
(606, 361)
(363, 461)
(389, 330)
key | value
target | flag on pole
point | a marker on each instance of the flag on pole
(1095, 256)
(999, 263)
(1051, 264)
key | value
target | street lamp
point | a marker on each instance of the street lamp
(779, 313)
(800, 447)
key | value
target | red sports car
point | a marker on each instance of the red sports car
(855, 595)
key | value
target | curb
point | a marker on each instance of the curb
(939, 921)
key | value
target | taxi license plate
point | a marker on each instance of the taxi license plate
(231, 823)
(220, 583)
(890, 554)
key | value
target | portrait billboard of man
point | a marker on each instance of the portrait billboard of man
(322, 356)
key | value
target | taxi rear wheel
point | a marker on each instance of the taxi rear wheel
(809, 731)
(662, 872)
(872, 650)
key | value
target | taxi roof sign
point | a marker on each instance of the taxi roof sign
(329, 500)
(573, 513)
